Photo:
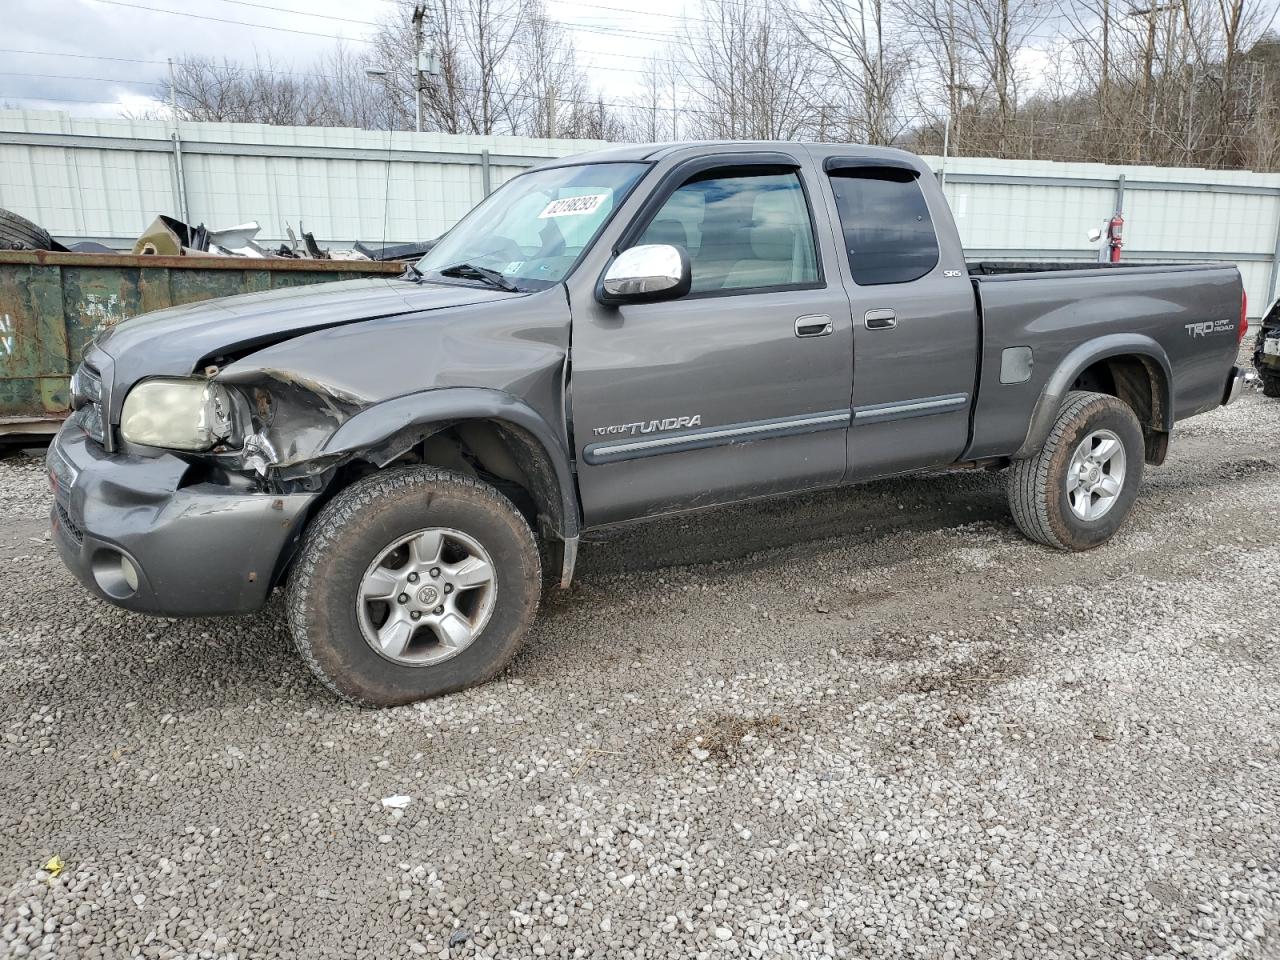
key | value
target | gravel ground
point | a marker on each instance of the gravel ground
(865, 723)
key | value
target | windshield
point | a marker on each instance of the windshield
(534, 227)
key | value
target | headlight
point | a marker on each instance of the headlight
(179, 414)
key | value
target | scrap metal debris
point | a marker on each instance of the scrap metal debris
(169, 237)
(172, 238)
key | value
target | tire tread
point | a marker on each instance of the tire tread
(20, 233)
(361, 496)
(1030, 484)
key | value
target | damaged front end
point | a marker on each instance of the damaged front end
(203, 499)
(205, 438)
(1266, 351)
(283, 424)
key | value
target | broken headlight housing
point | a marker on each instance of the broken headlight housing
(178, 414)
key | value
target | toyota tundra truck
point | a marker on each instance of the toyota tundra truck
(605, 339)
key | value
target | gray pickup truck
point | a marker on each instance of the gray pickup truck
(609, 337)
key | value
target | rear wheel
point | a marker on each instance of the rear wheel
(1271, 384)
(413, 583)
(1076, 492)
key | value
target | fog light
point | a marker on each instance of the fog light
(129, 572)
(115, 574)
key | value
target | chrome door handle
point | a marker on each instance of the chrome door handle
(882, 319)
(814, 325)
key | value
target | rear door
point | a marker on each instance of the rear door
(915, 324)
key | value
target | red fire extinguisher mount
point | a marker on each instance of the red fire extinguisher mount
(1115, 236)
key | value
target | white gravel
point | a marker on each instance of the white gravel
(865, 723)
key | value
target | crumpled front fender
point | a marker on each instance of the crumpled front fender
(386, 430)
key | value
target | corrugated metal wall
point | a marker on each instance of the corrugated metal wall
(1009, 209)
(107, 179)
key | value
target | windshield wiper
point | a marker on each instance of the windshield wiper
(470, 271)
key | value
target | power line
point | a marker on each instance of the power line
(1039, 123)
(77, 56)
(627, 33)
(66, 76)
(618, 32)
(239, 23)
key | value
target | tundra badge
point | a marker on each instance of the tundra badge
(650, 426)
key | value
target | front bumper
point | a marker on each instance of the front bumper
(192, 549)
(1236, 383)
(1267, 360)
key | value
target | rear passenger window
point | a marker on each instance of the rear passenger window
(744, 228)
(888, 233)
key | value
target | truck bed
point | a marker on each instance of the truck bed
(1183, 317)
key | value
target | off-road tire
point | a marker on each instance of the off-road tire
(19, 233)
(348, 534)
(1271, 384)
(1037, 485)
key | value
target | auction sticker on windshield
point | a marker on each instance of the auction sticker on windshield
(573, 206)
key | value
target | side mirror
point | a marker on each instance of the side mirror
(646, 274)
(1095, 235)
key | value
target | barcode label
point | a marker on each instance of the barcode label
(573, 206)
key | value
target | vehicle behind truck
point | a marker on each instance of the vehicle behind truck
(609, 338)
(1266, 350)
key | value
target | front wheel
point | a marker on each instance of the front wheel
(1271, 384)
(413, 583)
(1076, 492)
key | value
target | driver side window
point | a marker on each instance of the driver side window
(745, 228)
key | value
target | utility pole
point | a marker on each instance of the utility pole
(419, 14)
(946, 143)
(173, 93)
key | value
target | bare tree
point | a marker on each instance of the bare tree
(865, 64)
(331, 91)
(505, 67)
(753, 76)
(554, 87)
(654, 114)
(1194, 82)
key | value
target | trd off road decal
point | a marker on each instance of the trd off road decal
(1207, 327)
(649, 426)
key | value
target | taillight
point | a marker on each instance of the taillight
(1244, 317)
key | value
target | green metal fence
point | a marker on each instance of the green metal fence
(53, 304)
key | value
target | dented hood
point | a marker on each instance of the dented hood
(172, 342)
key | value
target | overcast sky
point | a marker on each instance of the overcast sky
(611, 42)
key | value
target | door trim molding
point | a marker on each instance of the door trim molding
(903, 409)
(751, 430)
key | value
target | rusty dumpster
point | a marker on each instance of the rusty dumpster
(53, 304)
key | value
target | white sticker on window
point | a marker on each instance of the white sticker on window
(573, 206)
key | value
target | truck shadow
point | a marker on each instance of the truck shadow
(864, 513)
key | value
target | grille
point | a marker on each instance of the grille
(86, 396)
(64, 518)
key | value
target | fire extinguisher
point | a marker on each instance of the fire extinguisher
(1115, 236)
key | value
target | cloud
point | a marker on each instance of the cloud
(70, 68)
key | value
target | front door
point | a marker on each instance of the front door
(915, 324)
(738, 389)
